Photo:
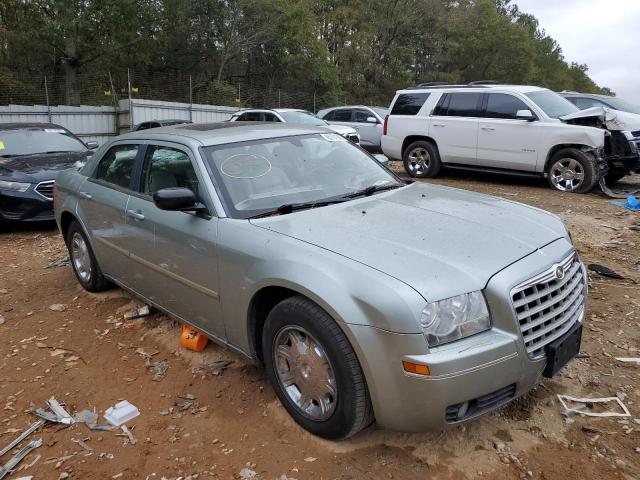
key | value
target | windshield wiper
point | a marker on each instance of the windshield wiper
(366, 192)
(294, 207)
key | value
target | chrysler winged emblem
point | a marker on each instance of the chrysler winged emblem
(559, 272)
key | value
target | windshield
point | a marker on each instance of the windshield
(260, 176)
(32, 141)
(554, 105)
(305, 118)
(381, 111)
(623, 105)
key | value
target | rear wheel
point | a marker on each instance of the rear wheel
(314, 370)
(83, 261)
(422, 160)
(572, 170)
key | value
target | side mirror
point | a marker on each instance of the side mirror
(179, 200)
(525, 115)
(382, 159)
(92, 145)
(372, 120)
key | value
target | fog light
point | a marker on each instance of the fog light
(415, 368)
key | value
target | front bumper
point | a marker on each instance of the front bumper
(29, 206)
(467, 377)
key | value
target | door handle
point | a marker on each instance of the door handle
(438, 125)
(135, 214)
(84, 195)
(487, 128)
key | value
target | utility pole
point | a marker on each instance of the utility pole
(46, 94)
(130, 102)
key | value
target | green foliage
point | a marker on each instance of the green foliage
(334, 51)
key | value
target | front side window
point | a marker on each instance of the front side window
(270, 117)
(166, 167)
(259, 176)
(360, 116)
(116, 167)
(503, 105)
(552, 104)
(32, 141)
(409, 103)
(584, 103)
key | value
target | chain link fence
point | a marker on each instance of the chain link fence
(106, 89)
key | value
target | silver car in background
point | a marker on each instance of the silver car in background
(368, 121)
(365, 297)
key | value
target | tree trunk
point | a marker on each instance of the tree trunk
(72, 87)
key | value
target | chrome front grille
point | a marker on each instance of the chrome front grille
(549, 304)
(46, 189)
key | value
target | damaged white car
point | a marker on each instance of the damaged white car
(512, 129)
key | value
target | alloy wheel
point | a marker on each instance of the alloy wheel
(567, 174)
(305, 373)
(419, 161)
(81, 257)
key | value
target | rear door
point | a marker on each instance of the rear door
(505, 141)
(102, 204)
(454, 126)
(175, 252)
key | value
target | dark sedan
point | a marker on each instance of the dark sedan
(31, 156)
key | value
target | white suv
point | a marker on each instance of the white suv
(506, 129)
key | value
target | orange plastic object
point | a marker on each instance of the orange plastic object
(192, 339)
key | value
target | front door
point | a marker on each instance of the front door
(370, 132)
(505, 141)
(175, 252)
(102, 203)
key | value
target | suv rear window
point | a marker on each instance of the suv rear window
(459, 105)
(409, 103)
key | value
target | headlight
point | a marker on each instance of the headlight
(14, 186)
(454, 318)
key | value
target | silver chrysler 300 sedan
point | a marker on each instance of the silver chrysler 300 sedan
(365, 297)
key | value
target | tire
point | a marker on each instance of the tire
(614, 175)
(572, 170)
(421, 160)
(336, 412)
(83, 261)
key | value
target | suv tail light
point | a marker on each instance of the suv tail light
(386, 122)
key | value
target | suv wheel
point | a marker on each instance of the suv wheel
(572, 170)
(84, 262)
(314, 370)
(422, 160)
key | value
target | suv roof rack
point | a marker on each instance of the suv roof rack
(483, 82)
(436, 85)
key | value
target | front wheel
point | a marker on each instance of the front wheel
(314, 370)
(422, 160)
(572, 170)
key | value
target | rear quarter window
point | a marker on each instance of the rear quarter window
(459, 104)
(409, 103)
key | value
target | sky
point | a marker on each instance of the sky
(604, 34)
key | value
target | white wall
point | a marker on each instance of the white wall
(87, 122)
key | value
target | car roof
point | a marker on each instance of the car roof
(473, 88)
(588, 95)
(224, 132)
(356, 106)
(21, 125)
(277, 110)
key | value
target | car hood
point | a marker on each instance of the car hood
(440, 241)
(613, 119)
(40, 167)
(342, 129)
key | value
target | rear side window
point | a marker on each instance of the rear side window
(329, 116)
(584, 103)
(460, 104)
(409, 103)
(503, 105)
(116, 167)
(249, 117)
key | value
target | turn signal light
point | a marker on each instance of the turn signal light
(415, 368)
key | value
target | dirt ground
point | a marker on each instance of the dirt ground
(231, 425)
